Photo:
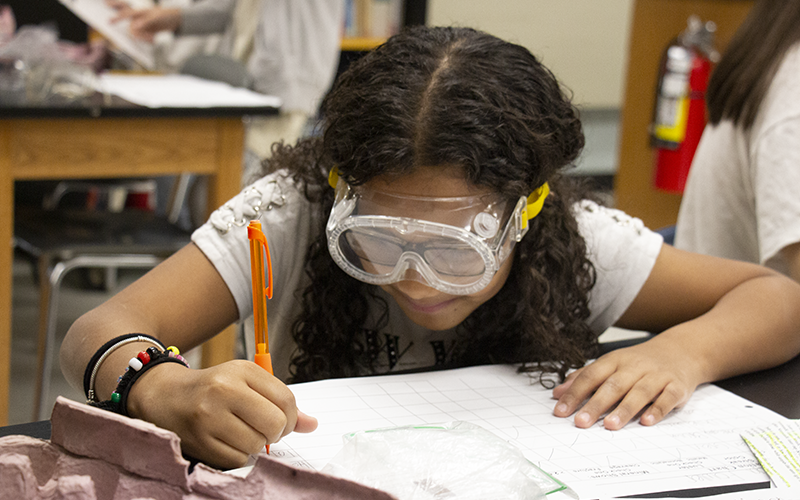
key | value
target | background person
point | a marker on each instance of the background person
(742, 197)
(291, 49)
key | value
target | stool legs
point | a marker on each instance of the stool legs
(50, 280)
(42, 374)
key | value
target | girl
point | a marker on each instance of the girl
(746, 165)
(431, 225)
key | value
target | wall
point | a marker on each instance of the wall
(584, 42)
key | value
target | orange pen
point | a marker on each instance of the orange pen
(259, 247)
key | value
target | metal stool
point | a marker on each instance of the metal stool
(59, 241)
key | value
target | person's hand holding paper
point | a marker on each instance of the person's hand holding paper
(106, 18)
(145, 23)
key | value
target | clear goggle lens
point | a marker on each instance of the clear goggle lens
(381, 254)
(457, 248)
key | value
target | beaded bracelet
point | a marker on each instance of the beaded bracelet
(90, 373)
(136, 367)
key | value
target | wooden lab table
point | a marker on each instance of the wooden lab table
(106, 137)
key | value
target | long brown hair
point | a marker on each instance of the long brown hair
(743, 75)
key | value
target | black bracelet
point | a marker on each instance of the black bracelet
(136, 367)
(93, 367)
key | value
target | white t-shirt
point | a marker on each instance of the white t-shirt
(622, 250)
(742, 197)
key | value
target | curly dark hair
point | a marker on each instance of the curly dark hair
(442, 97)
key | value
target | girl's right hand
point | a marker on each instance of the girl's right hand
(222, 414)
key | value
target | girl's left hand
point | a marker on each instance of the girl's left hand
(654, 376)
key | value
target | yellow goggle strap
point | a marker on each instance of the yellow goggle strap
(535, 199)
(535, 204)
(333, 177)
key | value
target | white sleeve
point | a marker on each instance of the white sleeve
(286, 220)
(623, 252)
(205, 17)
(776, 174)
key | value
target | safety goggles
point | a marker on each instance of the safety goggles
(453, 244)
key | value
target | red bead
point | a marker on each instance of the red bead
(143, 357)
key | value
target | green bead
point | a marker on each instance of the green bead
(115, 397)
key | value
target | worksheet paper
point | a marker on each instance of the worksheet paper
(777, 447)
(694, 448)
(98, 15)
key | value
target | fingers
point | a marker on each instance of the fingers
(632, 397)
(305, 423)
(122, 8)
(139, 23)
(144, 23)
(222, 414)
(224, 456)
(228, 449)
(621, 387)
(122, 15)
(559, 390)
(631, 393)
(580, 387)
(241, 437)
(272, 408)
(142, 28)
(672, 397)
(663, 395)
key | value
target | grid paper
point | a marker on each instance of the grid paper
(698, 446)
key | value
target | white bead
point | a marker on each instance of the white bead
(135, 364)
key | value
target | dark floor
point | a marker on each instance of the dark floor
(76, 298)
(24, 331)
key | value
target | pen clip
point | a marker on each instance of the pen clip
(254, 232)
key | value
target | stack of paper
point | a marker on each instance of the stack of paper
(181, 91)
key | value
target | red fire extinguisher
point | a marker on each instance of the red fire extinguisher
(680, 113)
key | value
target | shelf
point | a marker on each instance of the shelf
(360, 44)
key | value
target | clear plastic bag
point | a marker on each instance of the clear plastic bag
(453, 460)
(34, 68)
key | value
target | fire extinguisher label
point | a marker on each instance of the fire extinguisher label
(672, 105)
(671, 119)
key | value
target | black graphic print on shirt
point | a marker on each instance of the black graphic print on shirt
(388, 350)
